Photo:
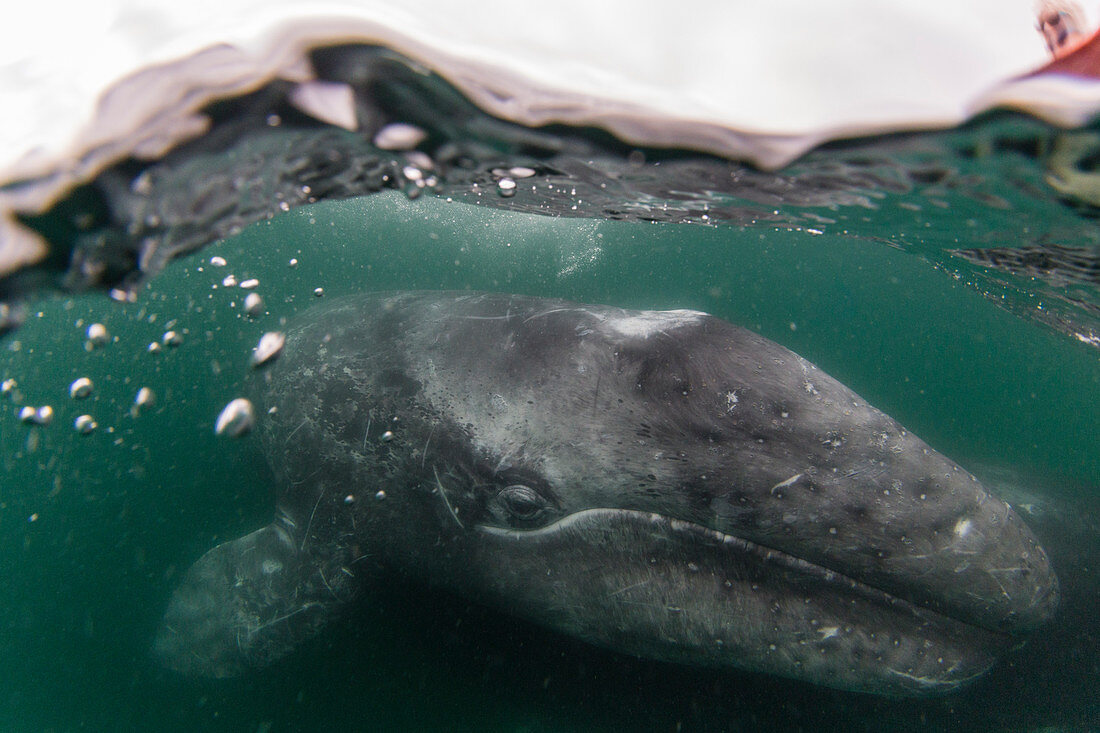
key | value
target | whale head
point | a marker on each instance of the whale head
(661, 483)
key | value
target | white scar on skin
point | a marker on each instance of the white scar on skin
(784, 484)
(644, 324)
(962, 527)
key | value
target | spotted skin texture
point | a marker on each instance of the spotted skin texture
(664, 484)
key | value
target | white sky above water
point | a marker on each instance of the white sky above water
(783, 66)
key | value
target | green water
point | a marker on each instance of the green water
(119, 514)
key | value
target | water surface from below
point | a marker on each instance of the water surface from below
(96, 529)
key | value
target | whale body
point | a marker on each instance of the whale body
(661, 483)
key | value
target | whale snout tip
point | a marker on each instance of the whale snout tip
(1035, 596)
(1018, 581)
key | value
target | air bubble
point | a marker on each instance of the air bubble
(85, 425)
(235, 419)
(97, 335)
(41, 416)
(270, 346)
(80, 388)
(144, 398)
(253, 304)
(420, 160)
(399, 136)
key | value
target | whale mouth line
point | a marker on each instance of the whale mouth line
(732, 543)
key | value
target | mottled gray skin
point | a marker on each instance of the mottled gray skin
(660, 483)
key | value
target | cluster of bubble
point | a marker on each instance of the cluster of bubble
(235, 419)
(238, 416)
(507, 177)
(253, 303)
(81, 388)
(415, 175)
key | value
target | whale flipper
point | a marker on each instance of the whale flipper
(249, 602)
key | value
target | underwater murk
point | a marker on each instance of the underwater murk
(951, 279)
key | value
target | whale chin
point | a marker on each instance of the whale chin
(659, 587)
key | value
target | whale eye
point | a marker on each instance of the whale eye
(522, 502)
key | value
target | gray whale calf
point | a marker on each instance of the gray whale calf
(660, 483)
